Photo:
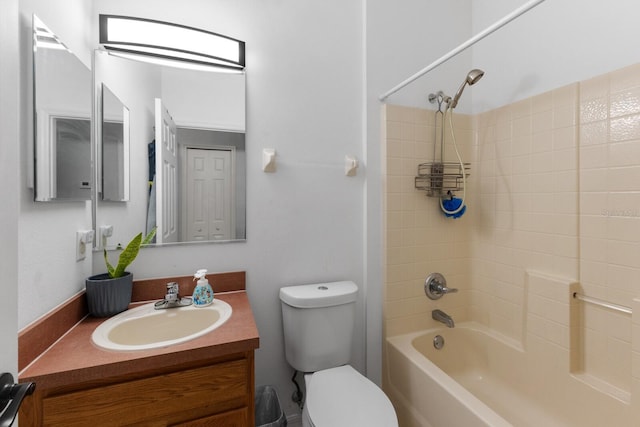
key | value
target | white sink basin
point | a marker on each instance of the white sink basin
(144, 327)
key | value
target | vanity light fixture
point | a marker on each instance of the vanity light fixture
(157, 40)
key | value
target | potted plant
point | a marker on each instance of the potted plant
(110, 293)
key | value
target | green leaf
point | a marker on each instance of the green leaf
(150, 236)
(128, 255)
(110, 268)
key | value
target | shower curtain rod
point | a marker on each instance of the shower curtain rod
(473, 40)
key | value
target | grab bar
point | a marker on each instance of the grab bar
(602, 303)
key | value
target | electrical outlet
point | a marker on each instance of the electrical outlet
(104, 232)
(84, 238)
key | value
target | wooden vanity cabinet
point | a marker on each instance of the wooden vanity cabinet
(217, 392)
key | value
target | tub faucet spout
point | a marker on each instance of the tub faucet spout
(443, 317)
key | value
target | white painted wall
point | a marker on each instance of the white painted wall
(404, 37)
(556, 43)
(9, 194)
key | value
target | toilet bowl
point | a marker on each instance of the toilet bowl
(342, 397)
(318, 323)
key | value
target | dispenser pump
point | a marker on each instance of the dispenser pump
(203, 293)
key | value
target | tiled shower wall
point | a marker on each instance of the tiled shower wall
(527, 206)
(610, 219)
(555, 188)
(419, 239)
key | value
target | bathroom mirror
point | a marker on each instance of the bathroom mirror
(114, 141)
(62, 120)
(208, 109)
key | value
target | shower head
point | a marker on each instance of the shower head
(472, 78)
(474, 75)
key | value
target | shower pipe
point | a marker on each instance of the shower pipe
(473, 40)
(601, 303)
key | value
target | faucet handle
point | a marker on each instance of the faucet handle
(172, 291)
(435, 286)
(446, 290)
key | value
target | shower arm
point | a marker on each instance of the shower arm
(473, 40)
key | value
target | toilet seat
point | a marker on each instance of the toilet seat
(341, 396)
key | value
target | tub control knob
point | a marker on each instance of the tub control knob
(435, 286)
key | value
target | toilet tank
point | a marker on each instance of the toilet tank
(318, 323)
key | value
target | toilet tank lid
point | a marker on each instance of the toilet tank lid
(319, 294)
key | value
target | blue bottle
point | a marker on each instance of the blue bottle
(203, 293)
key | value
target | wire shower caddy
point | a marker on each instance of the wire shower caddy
(439, 178)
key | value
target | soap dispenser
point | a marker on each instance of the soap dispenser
(203, 293)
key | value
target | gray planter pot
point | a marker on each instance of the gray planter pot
(106, 296)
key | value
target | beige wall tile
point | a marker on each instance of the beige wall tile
(625, 78)
(554, 186)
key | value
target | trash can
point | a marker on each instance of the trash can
(268, 410)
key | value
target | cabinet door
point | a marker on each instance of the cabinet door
(159, 400)
(235, 418)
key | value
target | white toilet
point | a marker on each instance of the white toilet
(318, 328)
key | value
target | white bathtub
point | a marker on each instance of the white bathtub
(482, 379)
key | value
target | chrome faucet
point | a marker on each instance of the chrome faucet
(172, 298)
(443, 317)
(435, 286)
